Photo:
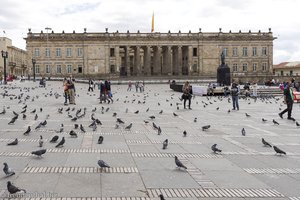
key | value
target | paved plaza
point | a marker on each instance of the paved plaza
(139, 168)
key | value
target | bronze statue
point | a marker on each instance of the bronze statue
(223, 72)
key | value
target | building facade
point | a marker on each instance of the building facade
(287, 69)
(150, 54)
(16, 62)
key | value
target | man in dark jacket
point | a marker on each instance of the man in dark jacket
(289, 100)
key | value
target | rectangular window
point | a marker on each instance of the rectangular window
(79, 52)
(58, 69)
(112, 52)
(245, 66)
(281, 73)
(245, 51)
(48, 69)
(254, 67)
(291, 73)
(69, 52)
(264, 51)
(36, 52)
(195, 52)
(225, 52)
(47, 52)
(69, 69)
(235, 67)
(264, 67)
(37, 69)
(79, 69)
(58, 52)
(235, 51)
(254, 51)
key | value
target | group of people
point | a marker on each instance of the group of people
(105, 91)
(69, 90)
(139, 86)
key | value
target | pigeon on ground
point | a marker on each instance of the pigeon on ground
(128, 127)
(103, 164)
(136, 112)
(76, 126)
(297, 124)
(114, 114)
(165, 144)
(179, 163)
(204, 128)
(44, 123)
(61, 143)
(147, 110)
(33, 111)
(120, 121)
(61, 129)
(12, 121)
(215, 149)
(154, 125)
(160, 112)
(161, 197)
(264, 120)
(74, 119)
(81, 128)
(159, 131)
(13, 189)
(54, 139)
(41, 141)
(15, 142)
(36, 117)
(247, 115)
(73, 134)
(100, 139)
(8, 171)
(195, 119)
(265, 143)
(27, 131)
(243, 132)
(24, 116)
(278, 151)
(39, 152)
(175, 115)
(152, 117)
(184, 133)
(275, 122)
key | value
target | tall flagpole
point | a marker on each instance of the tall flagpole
(152, 24)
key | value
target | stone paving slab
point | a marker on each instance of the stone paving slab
(140, 168)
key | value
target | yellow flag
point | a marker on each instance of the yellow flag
(152, 25)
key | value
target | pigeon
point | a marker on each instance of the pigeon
(35, 117)
(184, 133)
(114, 114)
(160, 112)
(94, 127)
(41, 141)
(264, 120)
(27, 131)
(98, 121)
(13, 189)
(61, 129)
(15, 142)
(103, 164)
(243, 132)
(165, 144)
(195, 119)
(120, 121)
(247, 115)
(73, 134)
(74, 119)
(147, 110)
(39, 152)
(152, 117)
(23, 111)
(3, 111)
(275, 122)
(8, 171)
(81, 128)
(136, 112)
(215, 149)
(179, 163)
(175, 115)
(297, 124)
(159, 131)
(44, 123)
(12, 121)
(266, 144)
(33, 111)
(205, 127)
(228, 111)
(76, 126)
(154, 125)
(61, 143)
(16, 114)
(100, 139)
(24, 116)
(128, 127)
(278, 151)
(161, 197)
(54, 139)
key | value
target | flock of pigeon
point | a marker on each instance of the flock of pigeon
(74, 114)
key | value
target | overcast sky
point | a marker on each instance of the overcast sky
(16, 16)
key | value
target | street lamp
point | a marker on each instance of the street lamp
(33, 64)
(4, 56)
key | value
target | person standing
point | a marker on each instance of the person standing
(129, 86)
(289, 100)
(187, 94)
(254, 88)
(66, 92)
(71, 90)
(235, 91)
(91, 85)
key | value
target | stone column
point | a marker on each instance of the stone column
(127, 60)
(167, 60)
(147, 60)
(190, 60)
(137, 61)
(106, 61)
(157, 61)
(179, 60)
(118, 59)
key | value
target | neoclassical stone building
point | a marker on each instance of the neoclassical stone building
(150, 54)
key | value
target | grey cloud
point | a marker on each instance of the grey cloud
(76, 8)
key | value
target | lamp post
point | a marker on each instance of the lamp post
(4, 56)
(33, 64)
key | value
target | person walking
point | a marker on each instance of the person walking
(91, 85)
(108, 91)
(235, 91)
(129, 86)
(66, 92)
(289, 100)
(187, 94)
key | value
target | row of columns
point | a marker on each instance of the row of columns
(154, 60)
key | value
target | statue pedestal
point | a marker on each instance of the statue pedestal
(223, 75)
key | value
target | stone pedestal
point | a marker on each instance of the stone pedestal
(223, 75)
